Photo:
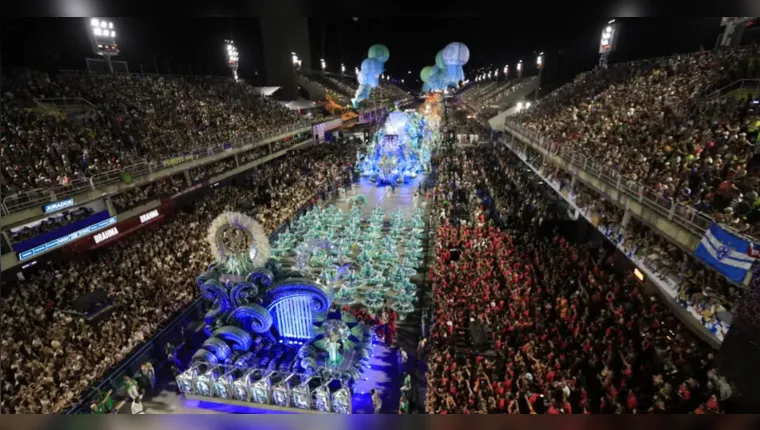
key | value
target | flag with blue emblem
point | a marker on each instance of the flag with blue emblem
(725, 252)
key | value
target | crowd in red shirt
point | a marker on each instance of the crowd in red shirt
(570, 333)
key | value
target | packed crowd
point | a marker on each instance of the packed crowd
(49, 224)
(567, 332)
(503, 91)
(204, 172)
(477, 89)
(344, 85)
(661, 124)
(164, 187)
(125, 119)
(709, 297)
(49, 357)
(339, 97)
(463, 122)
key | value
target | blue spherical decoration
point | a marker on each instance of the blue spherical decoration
(371, 67)
(456, 54)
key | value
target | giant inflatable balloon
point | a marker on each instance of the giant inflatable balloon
(439, 60)
(438, 80)
(379, 52)
(371, 68)
(426, 73)
(455, 55)
(448, 70)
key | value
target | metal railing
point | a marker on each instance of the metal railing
(751, 84)
(685, 216)
(65, 102)
(20, 201)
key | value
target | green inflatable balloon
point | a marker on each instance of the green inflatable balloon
(426, 73)
(379, 53)
(439, 60)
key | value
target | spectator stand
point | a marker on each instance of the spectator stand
(712, 330)
(528, 347)
(134, 102)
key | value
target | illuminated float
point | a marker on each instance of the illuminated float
(272, 335)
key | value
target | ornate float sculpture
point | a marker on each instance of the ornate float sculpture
(272, 337)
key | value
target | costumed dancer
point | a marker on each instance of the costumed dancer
(377, 402)
(132, 390)
(147, 370)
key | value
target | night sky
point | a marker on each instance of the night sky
(181, 45)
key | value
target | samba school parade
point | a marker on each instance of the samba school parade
(299, 322)
(350, 215)
(401, 149)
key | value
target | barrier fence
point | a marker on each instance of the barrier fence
(687, 217)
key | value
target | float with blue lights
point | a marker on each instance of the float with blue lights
(400, 150)
(273, 338)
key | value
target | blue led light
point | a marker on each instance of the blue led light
(65, 239)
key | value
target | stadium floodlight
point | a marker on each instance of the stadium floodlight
(540, 60)
(232, 57)
(324, 64)
(342, 68)
(607, 42)
(506, 71)
(103, 39)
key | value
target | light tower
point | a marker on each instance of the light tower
(540, 65)
(608, 42)
(103, 40)
(232, 57)
(296, 61)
